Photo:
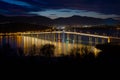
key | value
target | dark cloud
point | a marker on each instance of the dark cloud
(17, 2)
(53, 14)
(12, 9)
(101, 6)
(65, 10)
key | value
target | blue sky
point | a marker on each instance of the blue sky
(62, 8)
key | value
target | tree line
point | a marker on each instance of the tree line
(21, 27)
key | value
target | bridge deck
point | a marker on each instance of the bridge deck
(76, 33)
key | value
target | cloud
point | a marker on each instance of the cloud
(104, 7)
(17, 2)
(53, 14)
(12, 9)
(65, 10)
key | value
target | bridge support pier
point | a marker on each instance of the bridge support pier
(109, 40)
(103, 41)
(90, 41)
(96, 41)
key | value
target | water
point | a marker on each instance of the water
(27, 42)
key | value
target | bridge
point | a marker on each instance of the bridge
(72, 37)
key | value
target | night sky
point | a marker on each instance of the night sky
(61, 8)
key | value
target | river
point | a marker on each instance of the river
(26, 43)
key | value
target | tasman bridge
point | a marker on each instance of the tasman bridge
(72, 37)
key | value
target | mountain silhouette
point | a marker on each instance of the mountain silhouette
(73, 20)
(26, 19)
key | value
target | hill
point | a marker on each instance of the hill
(73, 20)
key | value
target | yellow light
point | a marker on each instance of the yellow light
(109, 40)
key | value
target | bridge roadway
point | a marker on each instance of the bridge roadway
(109, 38)
(84, 34)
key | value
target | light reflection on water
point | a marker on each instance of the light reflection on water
(26, 43)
